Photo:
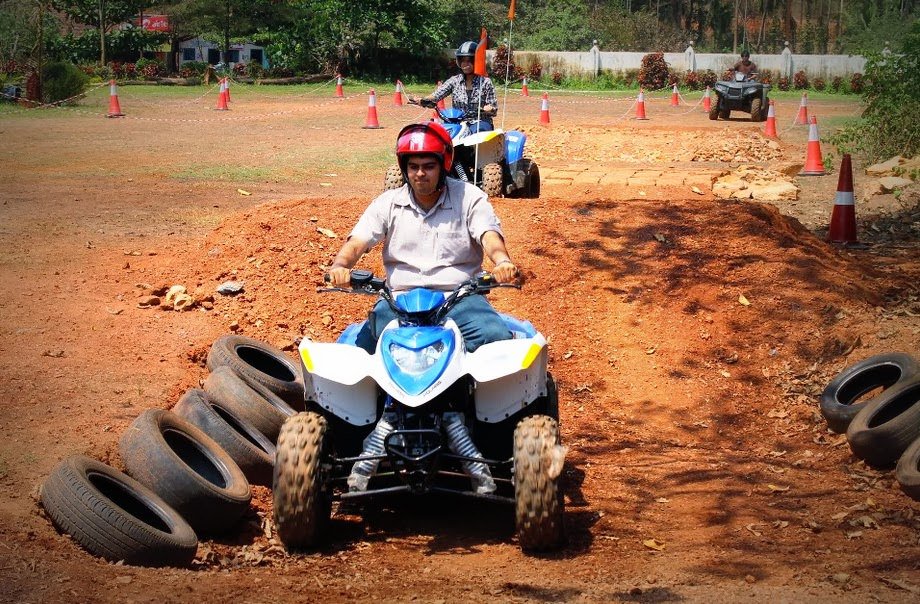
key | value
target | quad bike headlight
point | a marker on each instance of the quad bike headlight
(416, 362)
(415, 357)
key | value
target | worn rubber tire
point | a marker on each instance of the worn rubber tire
(539, 504)
(882, 431)
(757, 110)
(258, 363)
(185, 467)
(114, 516)
(302, 505)
(838, 401)
(248, 400)
(908, 470)
(714, 110)
(393, 179)
(252, 451)
(492, 179)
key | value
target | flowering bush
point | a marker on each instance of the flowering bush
(837, 84)
(856, 83)
(800, 80)
(708, 78)
(783, 83)
(150, 69)
(535, 72)
(654, 72)
(818, 84)
(239, 69)
(557, 78)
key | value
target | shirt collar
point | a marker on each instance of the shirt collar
(444, 200)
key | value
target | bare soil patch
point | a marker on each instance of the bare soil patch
(691, 416)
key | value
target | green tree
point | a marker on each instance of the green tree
(99, 14)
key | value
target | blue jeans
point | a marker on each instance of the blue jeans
(474, 316)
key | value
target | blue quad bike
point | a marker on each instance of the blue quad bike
(500, 169)
(423, 416)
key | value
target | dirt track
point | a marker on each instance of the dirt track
(691, 417)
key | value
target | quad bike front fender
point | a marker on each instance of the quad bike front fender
(509, 375)
(338, 377)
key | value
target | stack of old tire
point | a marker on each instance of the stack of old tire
(189, 470)
(883, 428)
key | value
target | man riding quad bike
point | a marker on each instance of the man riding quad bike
(742, 93)
(436, 392)
(493, 159)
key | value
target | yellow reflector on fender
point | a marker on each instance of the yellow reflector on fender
(532, 353)
(307, 361)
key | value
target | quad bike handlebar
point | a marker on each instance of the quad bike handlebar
(364, 282)
(468, 115)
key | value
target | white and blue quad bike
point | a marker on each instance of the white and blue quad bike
(421, 416)
(500, 167)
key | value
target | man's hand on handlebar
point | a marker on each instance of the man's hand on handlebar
(505, 272)
(339, 276)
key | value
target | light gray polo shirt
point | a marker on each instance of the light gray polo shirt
(439, 249)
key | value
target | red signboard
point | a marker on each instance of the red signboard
(155, 23)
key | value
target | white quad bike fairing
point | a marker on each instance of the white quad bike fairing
(343, 379)
(491, 145)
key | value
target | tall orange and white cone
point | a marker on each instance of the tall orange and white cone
(371, 121)
(227, 88)
(440, 103)
(675, 96)
(222, 97)
(640, 106)
(524, 91)
(802, 118)
(114, 106)
(707, 102)
(398, 95)
(814, 164)
(339, 93)
(770, 127)
(544, 110)
(843, 218)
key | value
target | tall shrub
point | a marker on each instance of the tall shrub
(888, 125)
(653, 74)
(62, 81)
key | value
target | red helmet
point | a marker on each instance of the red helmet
(425, 139)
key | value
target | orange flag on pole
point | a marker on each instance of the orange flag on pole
(511, 11)
(479, 62)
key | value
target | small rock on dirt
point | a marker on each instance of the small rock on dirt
(229, 288)
(148, 301)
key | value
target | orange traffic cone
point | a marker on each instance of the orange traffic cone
(843, 218)
(222, 98)
(814, 164)
(371, 121)
(640, 106)
(440, 103)
(675, 96)
(114, 106)
(707, 102)
(524, 91)
(339, 93)
(802, 118)
(544, 110)
(227, 88)
(770, 127)
(398, 95)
